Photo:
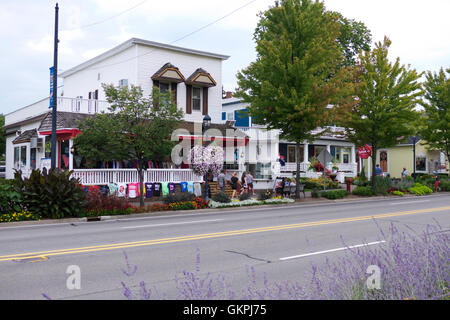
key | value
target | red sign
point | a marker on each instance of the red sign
(365, 152)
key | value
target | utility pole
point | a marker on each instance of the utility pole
(55, 91)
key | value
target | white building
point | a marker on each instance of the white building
(265, 148)
(193, 76)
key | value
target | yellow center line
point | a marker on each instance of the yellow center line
(42, 254)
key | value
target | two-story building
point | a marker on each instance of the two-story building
(194, 77)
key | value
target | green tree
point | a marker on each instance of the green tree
(2, 136)
(354, 37)
(289, 85)
(435, 124)
(382, 108)
(135, 128)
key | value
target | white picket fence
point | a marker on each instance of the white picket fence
(105, 176)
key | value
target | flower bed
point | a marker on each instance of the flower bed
(249, 202)
(19, 216)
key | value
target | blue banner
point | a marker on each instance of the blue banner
(51, 87)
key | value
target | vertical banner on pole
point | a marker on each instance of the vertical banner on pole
(51, 87)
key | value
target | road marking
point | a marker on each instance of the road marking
(409, 202)
(212, 235)
(170, 224)
(332, 250)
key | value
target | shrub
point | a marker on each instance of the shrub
(221, 197)
(398, 193)
(19, 216)
(445, 185)
(363, 191)
(201, 203)
(51, 194)
(317, 183)
(315, 193)
(334, 194)
(420, 190)
(178, 197)
(244, 196)
(10, 200)
(99, 204)
(159, 207)
(186, 205)
(403, 185)
(266, 195)
(382, 185)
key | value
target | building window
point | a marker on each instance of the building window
(16, 158)
(164, 87)
(230, 116)
(291, 154)
(123, 83)
(196, 99)
(421, 164)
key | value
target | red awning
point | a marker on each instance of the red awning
(62, 134)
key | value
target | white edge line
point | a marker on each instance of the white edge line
(331, 250)
(170, 224)
(409, 202)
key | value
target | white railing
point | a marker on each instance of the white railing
(105, 176)
(292, 167)
(64, 104)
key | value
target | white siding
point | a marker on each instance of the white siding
(112, 69)
(152, 58)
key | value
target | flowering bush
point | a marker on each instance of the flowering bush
(186, 205)
(19, 216)
(159, 207)
(200, 203)
(317, 183)
(207, 160)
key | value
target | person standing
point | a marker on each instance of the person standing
(222, 180)
(234, 184)
(244, 182)
(378, 170)
(437, 182)
(250, 183)
(404, 174)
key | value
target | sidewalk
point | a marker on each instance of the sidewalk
(298, 203)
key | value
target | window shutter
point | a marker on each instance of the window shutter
(96, 95)
(156, 84)
(224, 116)
(188, 99)
(205, 101)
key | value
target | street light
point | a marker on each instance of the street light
(205, 126)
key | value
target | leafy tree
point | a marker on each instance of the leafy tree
(136, 128)
(435, 128)
(2, 136)
(354, 37)
(382, 108)
(289, 85)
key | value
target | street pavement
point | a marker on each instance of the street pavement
(281, 242)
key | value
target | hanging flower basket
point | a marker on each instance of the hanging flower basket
(207, 160)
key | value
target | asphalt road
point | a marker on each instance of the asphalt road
(280, 242)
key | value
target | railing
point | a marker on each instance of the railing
(292, 167)
(304, 166)
(64, 104)
(105, 176)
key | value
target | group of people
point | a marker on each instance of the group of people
(245, 184)
(280, 184)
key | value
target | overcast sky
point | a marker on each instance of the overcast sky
(419, 31)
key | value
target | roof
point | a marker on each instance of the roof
(133, 41)
(25, 136)
(201, 77)
(409, 141)
(64, 120)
